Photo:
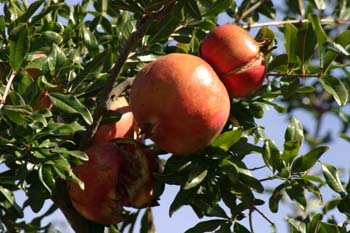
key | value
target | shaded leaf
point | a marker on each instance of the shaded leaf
(336, 88)
(206, 226)
(70, 104)
(19, 46)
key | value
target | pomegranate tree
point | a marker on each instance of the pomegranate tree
(180, 103)
(117, 174)
(236, 58)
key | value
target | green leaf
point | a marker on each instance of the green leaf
(30, 11)
(195, 178)
(320, 34)
(251, 182)
(342, 39)
(19, 46)
(338, 48)
(276, 196)
(192, 8)
(228, 139)
(293, 137)
(336, 88)
(305, 89)
(239, 228)
(230, 169)
(206, 226)
(308, 160)
(182, 198)
(290, 35)
(272, 155)
(331, 175)
(8, 195)
(70, 104)
(90, 41)
(55, 60)
(75, 153)
(306, 42)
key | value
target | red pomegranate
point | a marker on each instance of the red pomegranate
(180, 103)
(124, 127)
(117, 174)
(236, 57)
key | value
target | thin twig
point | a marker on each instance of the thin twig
(7, 90)
(264, 216)
(251, 10)
(295, 21)
(293, 75)
(251, 220)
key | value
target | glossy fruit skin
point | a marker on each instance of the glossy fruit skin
(228, 48)
(179, 101)
(117, 174)
(124, 127)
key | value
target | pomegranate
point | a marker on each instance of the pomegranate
(124, 127)
(236, 58)
(180, 103)
(117, 174)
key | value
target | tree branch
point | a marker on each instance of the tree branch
(7, 89)
(60, 196)
(295, 21)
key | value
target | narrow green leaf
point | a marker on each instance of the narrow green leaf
(331, 175)
(182, 198)
(336, 88)
(195, 179)
(206, 226)
(272, 155)
(193, 9)
(338, 48)
(70, 104)
(8, 195)
(308, 160)
(19, 47)
(276, 196)
(30, 11)
(230, 169)
(294, 137)
(290, 35)
(239, 228)
(305, 89)
(320, 35)
(342, 39)
(75, 153)
(306, 42)
(228, 139)
(314, 224)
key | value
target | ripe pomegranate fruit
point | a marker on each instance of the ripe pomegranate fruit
(117, 174)
(236, 58)
(180, 103)
(124, 127)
